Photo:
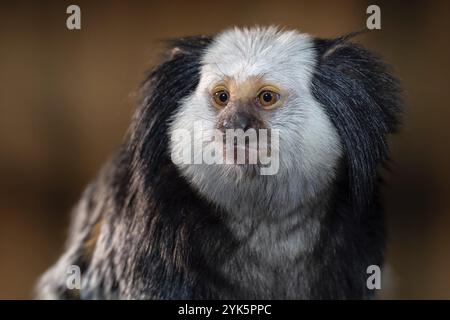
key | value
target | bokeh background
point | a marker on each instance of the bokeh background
(66, 98)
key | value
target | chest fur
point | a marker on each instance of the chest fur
(271, 260)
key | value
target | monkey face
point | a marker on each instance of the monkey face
(256, 80)
(240, 107)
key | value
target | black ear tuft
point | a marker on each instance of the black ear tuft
(165, 86)
(362, 99)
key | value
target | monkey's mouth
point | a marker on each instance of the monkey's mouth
(244, 153)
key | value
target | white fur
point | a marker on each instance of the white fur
(309, 144)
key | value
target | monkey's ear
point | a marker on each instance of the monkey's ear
(177, 50)
(186, 45)
(362, 99)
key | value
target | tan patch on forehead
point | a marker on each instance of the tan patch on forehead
(244, 90)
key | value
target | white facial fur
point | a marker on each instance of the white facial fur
(309, 144)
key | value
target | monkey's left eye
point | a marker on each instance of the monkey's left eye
(221, 97)
(268, 98)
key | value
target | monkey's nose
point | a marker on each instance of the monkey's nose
(238, 121)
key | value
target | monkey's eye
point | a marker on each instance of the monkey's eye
(221, 97)
(268, 98)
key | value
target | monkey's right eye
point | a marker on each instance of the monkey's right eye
(221, 97)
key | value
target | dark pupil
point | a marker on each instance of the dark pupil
(267, 97)
(223, 97)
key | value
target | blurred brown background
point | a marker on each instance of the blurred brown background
(66, 98)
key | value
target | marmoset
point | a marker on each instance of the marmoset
(154, 225)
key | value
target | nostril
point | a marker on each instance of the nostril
(237, 121)
(243, 123)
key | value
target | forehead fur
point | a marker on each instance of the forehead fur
(268, 53)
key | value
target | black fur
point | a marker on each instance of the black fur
(159, 239)
(362, 100)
